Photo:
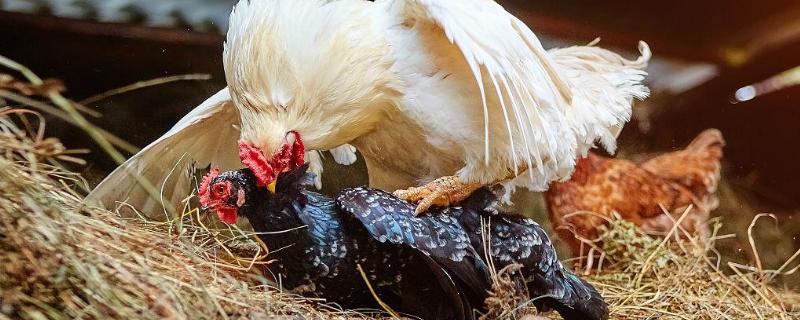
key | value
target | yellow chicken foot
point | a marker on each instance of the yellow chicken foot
(445, 191)
(441, 192)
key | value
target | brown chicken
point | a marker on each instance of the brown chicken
(673, 180)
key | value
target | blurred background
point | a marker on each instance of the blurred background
(731, 66)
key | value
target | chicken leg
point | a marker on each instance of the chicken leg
(441, 192)
(445, 191)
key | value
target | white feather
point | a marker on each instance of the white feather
(205, 136)
(422, 88)
(469, 62)
(344, 155)
(315, 166)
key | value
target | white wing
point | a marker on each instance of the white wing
(207, 135)
(514, 60)
(546, 99)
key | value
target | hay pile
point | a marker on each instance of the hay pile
(643, 277)
(61, 260)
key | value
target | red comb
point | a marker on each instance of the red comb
(205, 199)
(253, 158)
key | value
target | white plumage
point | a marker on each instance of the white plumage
(421, 88)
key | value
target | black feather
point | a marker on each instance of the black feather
(322, 241)
(441, 237)
(431, 266)
(520, 240)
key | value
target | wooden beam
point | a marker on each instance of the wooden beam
(48, 23)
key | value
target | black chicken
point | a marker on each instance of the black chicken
(431, 272)
(431, 266)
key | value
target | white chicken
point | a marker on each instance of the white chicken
(424, 89)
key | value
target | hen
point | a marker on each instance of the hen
(326, 239)
(674, 180)
(431, 272)
(424, 89)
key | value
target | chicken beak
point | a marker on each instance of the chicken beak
(271, 186)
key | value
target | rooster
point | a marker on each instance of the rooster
(674, 181)
(323, 239)
(455, 94)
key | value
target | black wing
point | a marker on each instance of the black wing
(513, 239)
(391, 220)
(425, 294)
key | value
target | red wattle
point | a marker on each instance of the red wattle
(227, 215)
(298, 150)
(266, 171)
(280, 162)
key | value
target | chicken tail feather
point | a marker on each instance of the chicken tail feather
(697, 167)
(709, 142)
(579, 300)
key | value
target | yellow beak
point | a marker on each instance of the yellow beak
(271, 187)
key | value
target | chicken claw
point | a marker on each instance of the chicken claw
(441, 192)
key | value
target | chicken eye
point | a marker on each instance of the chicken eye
(219, 189)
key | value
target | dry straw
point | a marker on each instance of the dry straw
(680, 277)
(62, 260)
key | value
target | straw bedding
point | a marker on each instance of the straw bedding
(61, 259)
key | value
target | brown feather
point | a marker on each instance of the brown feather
(673, 180)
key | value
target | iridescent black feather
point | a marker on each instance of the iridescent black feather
(413, 261)
(422, 266)
(512, 240)
(519, 240)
